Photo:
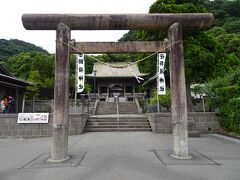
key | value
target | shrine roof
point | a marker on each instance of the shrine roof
(7, 78)
(112, 70)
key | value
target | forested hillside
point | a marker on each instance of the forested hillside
(32, 63)
(9, 48)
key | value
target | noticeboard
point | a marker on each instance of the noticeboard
(32, 118)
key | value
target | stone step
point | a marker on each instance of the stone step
(128, 112)
(113, 112)
(111, 108)
(194, 133)
(116, 120)
(116, 123)
(127, 108)
(116, 129)
(110, 123)
(118, 126)
(105, 112)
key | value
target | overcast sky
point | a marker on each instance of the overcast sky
(12, 10)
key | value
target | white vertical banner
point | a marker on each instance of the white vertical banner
(161, 78)
(80, 72)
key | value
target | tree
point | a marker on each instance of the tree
(200, 49)
(223, 93)
(36, 67)
(9, 48)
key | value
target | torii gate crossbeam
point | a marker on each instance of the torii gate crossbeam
(64, 23)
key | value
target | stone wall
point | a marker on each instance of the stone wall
(10, 128)
(44, 106)
(207, 122)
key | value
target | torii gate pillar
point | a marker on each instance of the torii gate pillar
(178, 90)
(59, 151)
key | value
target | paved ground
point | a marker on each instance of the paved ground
(124, 155)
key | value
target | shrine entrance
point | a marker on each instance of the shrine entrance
(64, 23)
(116, 89)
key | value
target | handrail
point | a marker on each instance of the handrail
(138, 106)
(94, 108)
(116, 97)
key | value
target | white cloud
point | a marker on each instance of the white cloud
(12, 10)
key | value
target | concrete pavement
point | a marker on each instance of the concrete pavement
(117, 156)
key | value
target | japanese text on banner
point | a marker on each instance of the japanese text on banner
(80, 72)
(161, 78)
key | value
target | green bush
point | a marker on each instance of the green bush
(230, 115)
(213, 92)
(224, 94)
(164, 100)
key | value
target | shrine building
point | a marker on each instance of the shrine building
(117, 78)
(13, 86)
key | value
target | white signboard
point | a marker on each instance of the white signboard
(80, 72)
(161, 78)
(33, 117)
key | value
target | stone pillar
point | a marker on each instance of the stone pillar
(59, 151)
(178, 93)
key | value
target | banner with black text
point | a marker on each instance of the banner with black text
(161, 78)
(80, 73)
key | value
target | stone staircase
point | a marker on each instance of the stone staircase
(107, 123)
(106, 108)
(128, 108)
(111, 108)
(106, 118)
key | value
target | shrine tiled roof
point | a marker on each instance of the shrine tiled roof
(7, 78)
(103, 70)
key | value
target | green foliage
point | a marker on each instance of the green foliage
(141, 88)
(200, 57)
(230, 115)
(22, 64)
(9, 48)
(225, 13)
(230, 42)
(35, 78)
(224, 93)
(231, 8)
(36, 67)
(88, 88)
(214, 98)
(234, 77)
(171, 7)
(233, 61)
(216, 31)
(232, 26)
(164, 100)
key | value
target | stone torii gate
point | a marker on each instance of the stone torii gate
(64, 23)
